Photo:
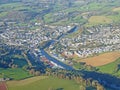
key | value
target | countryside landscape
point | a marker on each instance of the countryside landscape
(59, 44)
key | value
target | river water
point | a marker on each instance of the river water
(65, 66)
(102, 78)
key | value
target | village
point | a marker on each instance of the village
(96, 41)
(31, 38)
(91, 41)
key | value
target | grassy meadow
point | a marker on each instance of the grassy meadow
(43, 83)
(99, 20)
(110, 68)
(16, 73)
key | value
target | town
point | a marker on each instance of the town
(91, 41)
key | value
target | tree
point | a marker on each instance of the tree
(50, 88)
(89, 81)
(37, 73)
(82, 87)
(94, 83)
(100, 87)
(32, 71)
(117, 68)
(14, 66)
(60, 89)
(25, 67)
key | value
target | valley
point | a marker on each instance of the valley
(59, 45)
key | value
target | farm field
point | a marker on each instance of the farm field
(99, 20)
(15, 74)
(116, 9)
(43, 83)
(101, 59)
(3, 86)
(111, 68)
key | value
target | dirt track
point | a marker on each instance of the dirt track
(101, 59)
(3, 86)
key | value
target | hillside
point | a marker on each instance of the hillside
(56, 12)
(44, 83)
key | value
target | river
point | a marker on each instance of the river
(65, 66)
(104, 79)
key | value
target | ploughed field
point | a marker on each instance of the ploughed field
(3, 86)
(101, 59)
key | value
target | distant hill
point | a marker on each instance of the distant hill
(8, 1)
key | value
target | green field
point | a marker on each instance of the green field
(42, 83)
(49, 18)
(2, 14)
(115, 18)
(110, 68)
(96, 20)
(116, 9)
(15, 74)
